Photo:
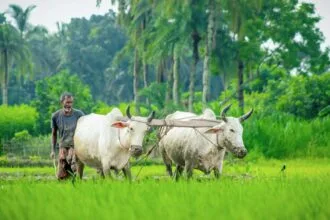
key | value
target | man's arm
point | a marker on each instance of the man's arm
(54, 139)
(54, 136)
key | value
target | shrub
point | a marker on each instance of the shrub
(281, 135)
(48, 93)
(15, 119)
(303, 96)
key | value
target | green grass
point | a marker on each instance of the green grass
(246, 191)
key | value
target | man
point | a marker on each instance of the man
(64, 123)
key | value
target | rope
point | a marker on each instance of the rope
(216, 145)
(145, 159)
(121, 145)
(150, 150)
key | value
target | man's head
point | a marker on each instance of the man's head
(67, 102)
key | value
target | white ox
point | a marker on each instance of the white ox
(104, 142)
(203, 148)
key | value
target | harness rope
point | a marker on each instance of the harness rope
(121, 145)
(215, 145)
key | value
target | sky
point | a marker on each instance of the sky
(48, 12)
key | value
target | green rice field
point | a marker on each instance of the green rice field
(247, 190)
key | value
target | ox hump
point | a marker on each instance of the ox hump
(208, 114)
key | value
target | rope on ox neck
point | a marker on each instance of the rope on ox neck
(148, 154)
(217, 145)
(121, 145)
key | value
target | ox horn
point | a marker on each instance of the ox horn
(128, 112)
(246, 116)
(223, 112)
(151, 116)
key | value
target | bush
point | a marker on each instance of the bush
(303, 96)
(15, 119)
(281, 135)
(49, 91)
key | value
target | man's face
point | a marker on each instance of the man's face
(67, 104)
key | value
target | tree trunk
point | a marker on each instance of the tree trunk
(240, 89)
(176, 77)
(5, 79)
(192, 87)
(144, 61)
(168, 96)
(135, 82)
(196, 38)
(145, 76)
(160, 72)
(208, 50)
(145, 73)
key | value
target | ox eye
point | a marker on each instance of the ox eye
(131, 129)
(232, 130)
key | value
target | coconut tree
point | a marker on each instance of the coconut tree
(21, 18)
(133, 16)
(12, 50)
(211, 30)
(241, 12)
(176, 32)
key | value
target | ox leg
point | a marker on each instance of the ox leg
(127, 172)
(178, 172)
(169, 169)
(100, 171)
(167, 162)
(218, 170)
(216, 173)
(107, 172)
(80, 168)
(189, 169)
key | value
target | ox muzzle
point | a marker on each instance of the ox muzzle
(240, 152)
(135, 150)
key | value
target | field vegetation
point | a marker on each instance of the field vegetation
(247, 190)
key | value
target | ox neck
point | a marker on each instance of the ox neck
(209, 138)
(120, 138)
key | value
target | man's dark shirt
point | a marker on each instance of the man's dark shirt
(66, 126)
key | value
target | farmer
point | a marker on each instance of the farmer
(63, 123)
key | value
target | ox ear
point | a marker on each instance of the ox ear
(119, 124)
(215, 129)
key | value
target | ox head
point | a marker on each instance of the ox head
(133, 131)
(230, 133)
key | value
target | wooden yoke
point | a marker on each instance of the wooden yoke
(187, 123)
(191, 123)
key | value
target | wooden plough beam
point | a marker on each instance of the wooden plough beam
(188, 123)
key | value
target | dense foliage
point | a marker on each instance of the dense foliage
(259, 54)
(17, 118)
(48, 94)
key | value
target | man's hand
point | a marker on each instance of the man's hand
(52, 155)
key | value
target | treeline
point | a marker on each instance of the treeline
(288, 120)
(172, 55)
(189, 46)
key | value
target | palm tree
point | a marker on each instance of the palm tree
(176, 64)
(173, 31)
(208, 49)
(12, 50)
(21, 18)
(241, 11)
(133, 15)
